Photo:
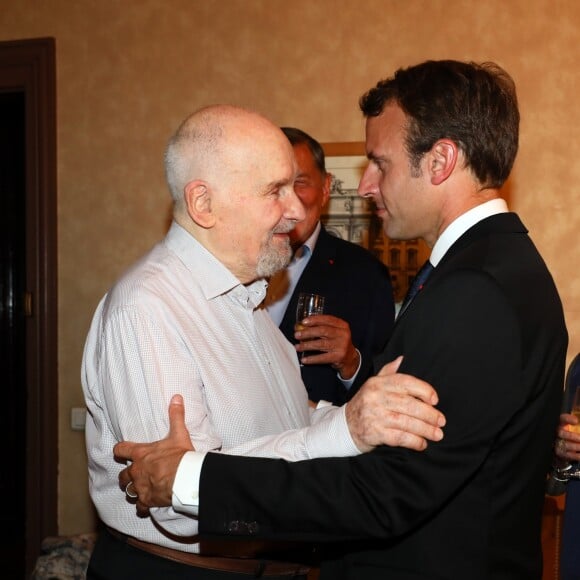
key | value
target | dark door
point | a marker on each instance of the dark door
(28, 386)
(12, 329)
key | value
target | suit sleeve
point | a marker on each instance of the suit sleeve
(390, 491)
(379, 324)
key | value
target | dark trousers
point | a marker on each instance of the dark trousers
(113, 559)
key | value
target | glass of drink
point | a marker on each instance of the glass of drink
(575, 410)
(572, 470)
(308, 304)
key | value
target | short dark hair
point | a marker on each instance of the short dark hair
(299, 137)
(474, 105)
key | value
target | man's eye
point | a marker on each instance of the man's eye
(380, 165)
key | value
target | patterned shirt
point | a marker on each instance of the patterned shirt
(179, 321)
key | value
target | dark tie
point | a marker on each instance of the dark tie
(417, 284)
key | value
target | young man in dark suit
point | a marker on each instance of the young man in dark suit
(359, 304)
(486, 329)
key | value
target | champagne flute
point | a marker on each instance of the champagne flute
(308, 304)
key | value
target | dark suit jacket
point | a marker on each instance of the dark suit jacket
(357, 288)
(488, 332)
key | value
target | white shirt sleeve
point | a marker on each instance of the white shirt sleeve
(328, 431)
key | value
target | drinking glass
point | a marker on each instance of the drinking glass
(575, 411)
(574, 469)
(308, 304)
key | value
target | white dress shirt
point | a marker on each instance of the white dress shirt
(180, 322)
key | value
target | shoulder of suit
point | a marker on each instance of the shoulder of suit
(351, 250)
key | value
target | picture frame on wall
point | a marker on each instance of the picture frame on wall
(353, 218)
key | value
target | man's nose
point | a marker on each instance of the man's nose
(294, 208)
(367, 185)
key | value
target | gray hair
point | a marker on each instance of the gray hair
(189, 152)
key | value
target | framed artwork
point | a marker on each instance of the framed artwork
(353, 218)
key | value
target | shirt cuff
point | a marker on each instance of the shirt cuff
(330, 437)
(185, 497)
(348, 382)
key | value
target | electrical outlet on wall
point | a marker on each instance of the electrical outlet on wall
(78, 416)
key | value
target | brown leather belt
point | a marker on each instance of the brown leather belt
(257, 568)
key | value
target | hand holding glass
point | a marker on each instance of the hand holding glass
(572, 470)
(308, 304)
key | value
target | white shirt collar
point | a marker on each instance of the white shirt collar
(218, 279)
(311, 241)
(460, 225)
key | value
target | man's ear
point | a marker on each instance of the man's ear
(198, 203)
(443, 159)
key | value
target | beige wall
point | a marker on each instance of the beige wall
(130, 70)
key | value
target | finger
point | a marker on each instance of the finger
(320, 358)
(177, 426)
(142, 509)
(321, 346)
(407, 440)
(124, 450)
(568, 435)
(124, 478)
(412, 386)
(320, 330)
(409, 385)
(325, 320)
(392, 367)
(416, 427)
(418, 418)
(312, 333)
(567, 419)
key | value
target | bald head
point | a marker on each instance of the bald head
(217, 143)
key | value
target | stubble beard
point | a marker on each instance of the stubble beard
(275, 256)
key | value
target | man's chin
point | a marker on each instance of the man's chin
(272, 262)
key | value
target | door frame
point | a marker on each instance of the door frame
(30, 66)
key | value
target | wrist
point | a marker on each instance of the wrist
(349, 370)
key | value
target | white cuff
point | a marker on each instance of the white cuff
(185, 498)
(330, 437)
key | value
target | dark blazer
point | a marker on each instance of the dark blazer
(357, 288)
(488, 332)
